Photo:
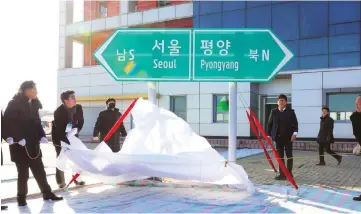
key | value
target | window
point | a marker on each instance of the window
(220, 108)
(163, 3)
(341, 105)
(102, 9)
(178, 105)
(78, 55)
(313, 19)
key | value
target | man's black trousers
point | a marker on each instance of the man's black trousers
(37, 168)
(282, 146)
(59, 175)
(321, 151)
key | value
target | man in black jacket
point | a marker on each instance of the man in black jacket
(105, 122)
(67, 117)
(24, 127)
(325, 137)
(282, 128)
(356, 126)
(2, 138)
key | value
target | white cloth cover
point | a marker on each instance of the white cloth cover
(160, 145)
(357, 150)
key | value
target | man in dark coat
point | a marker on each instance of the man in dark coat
(67, 117)
(2, 138)
(325, 137)
(282, 128)
(105, 122)
(24, 127)
(356, 126)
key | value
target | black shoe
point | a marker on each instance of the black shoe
(81, 183)
(51, 196)
(4, 207)
(22, 201)
(280, 178)
(62, 185)
(339, 160)
(321, 164)
(358, 198)
(154, 179)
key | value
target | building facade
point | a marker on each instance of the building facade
(324, 37)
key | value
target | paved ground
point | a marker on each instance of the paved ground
(9, 173)
(340, 184)
(345, 176)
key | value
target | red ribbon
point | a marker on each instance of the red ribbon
(111, 132)
(275, 153)
(260, 141)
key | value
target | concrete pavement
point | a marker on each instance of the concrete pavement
(9, 173)
(345, 176)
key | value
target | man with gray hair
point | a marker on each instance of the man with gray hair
(356, 126)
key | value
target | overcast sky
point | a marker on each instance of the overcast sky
(29, 48)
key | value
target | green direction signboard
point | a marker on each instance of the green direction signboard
(237, 55)
(147, 54)
(227, 55)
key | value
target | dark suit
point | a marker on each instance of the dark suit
(23, 122)
(281, 126)
(62, 117)
(356, 125)
(2, 135)
(104, 123)
(325, 138)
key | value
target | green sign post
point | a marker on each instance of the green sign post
(237, 55)
(147, 55)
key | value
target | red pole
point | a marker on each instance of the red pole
(260, 141)
(275, 153)
(111, 132)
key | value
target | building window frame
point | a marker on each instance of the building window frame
(163, 3)
(102, 4)
(172, 106)
(216, 112)
(325, 102)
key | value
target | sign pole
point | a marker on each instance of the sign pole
(232, 123)
(152, 93)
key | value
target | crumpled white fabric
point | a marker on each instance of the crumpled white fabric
(357, 150)
(160, 145)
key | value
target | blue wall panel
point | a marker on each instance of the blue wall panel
(348, 28)
(259, 17)
(312, 62)
(313, 19)
(345, 59)
(207, 7)
(211, 20)
(344, 11)
(314, 46)
(285, 28)
(234, 19)
(233, 5)
(321, 34)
